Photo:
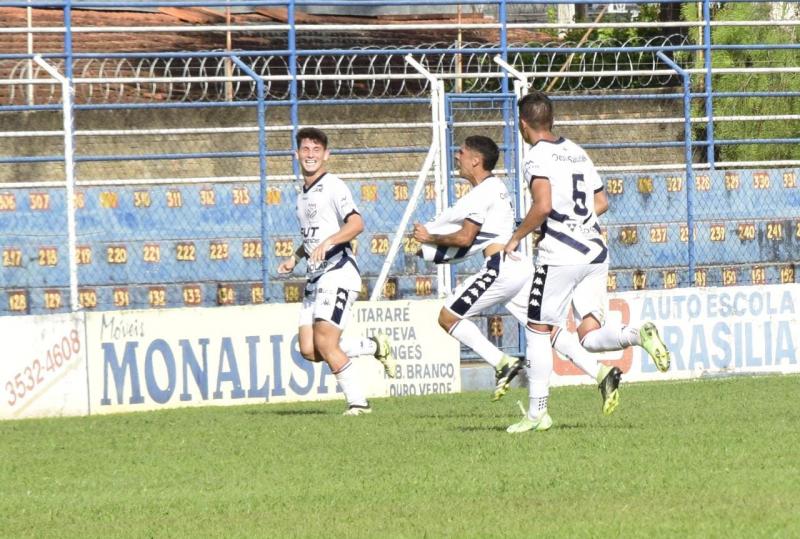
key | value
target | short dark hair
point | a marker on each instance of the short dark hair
(312, 133)
(537, 110)
(485, 146)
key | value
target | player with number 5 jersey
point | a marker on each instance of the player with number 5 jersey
(571, 233)
(571, 267)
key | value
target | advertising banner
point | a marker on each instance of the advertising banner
(708, 331)
(428, 358)
(43, 370)
(144, 360)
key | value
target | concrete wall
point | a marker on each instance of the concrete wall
(143, 144)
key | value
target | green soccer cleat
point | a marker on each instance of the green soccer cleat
(536, 425)
(652, 343)
(384, 354)
(357, 409)
(610, 378)
(505, 371)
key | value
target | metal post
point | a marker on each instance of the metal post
(523, 196)
(68, 93)
(508, 116)
(266, 216)
(444, 276)
(419, 186)
(707, 62)
(440, 164)
(68, 39)
(228, 47)
(293, 112)
(29, 17)
(687, 134)
(523, 200)
(459, 81)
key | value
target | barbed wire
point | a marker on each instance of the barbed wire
(357, 75)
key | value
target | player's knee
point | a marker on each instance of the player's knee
(587, 325)
(308, 353)
(325, 346)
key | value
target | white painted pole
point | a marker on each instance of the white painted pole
(68, 95)
(377, 292)
(521, 84)
(440, 165)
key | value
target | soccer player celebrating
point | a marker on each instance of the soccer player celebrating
(329, 220)
(571, 268)
(480, 222)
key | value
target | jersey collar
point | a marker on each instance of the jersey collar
(307, 189)
(559, 141)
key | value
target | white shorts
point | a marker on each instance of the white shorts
(330, 298)
(557, 288)
(495, 283)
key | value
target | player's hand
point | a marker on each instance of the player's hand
(318, 255)
(287, 266)
(510, 250)
(421, 233)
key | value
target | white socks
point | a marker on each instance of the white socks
(611, 337)
(350, 384)
(468, 333)
(539, 357)
(566, 344)
(354, 347)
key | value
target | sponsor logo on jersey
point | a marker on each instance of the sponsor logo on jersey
(311, 211)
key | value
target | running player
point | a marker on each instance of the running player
(480, 222)
(571, 268)
(329, 220)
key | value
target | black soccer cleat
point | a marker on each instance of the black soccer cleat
(506, 371)
(611, 377)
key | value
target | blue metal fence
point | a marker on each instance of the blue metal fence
(175, 236)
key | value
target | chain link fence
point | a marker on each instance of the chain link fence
(170, 209)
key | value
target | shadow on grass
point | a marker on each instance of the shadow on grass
(487, 428)
(467, 415)
(555, 428)
(288, 412)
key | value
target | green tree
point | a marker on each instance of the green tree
(752, 82)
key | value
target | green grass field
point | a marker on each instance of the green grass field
(708, 458)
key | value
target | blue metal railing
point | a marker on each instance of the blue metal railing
(299, 96)
(687, 134)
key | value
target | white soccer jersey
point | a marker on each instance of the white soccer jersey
(571, 234)
(322, 209)
(488, 205)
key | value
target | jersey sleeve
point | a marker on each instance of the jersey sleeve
(343, 202)
(533, 168)
(475, 207)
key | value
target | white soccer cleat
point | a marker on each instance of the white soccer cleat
(537, 425)
(357, 409)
